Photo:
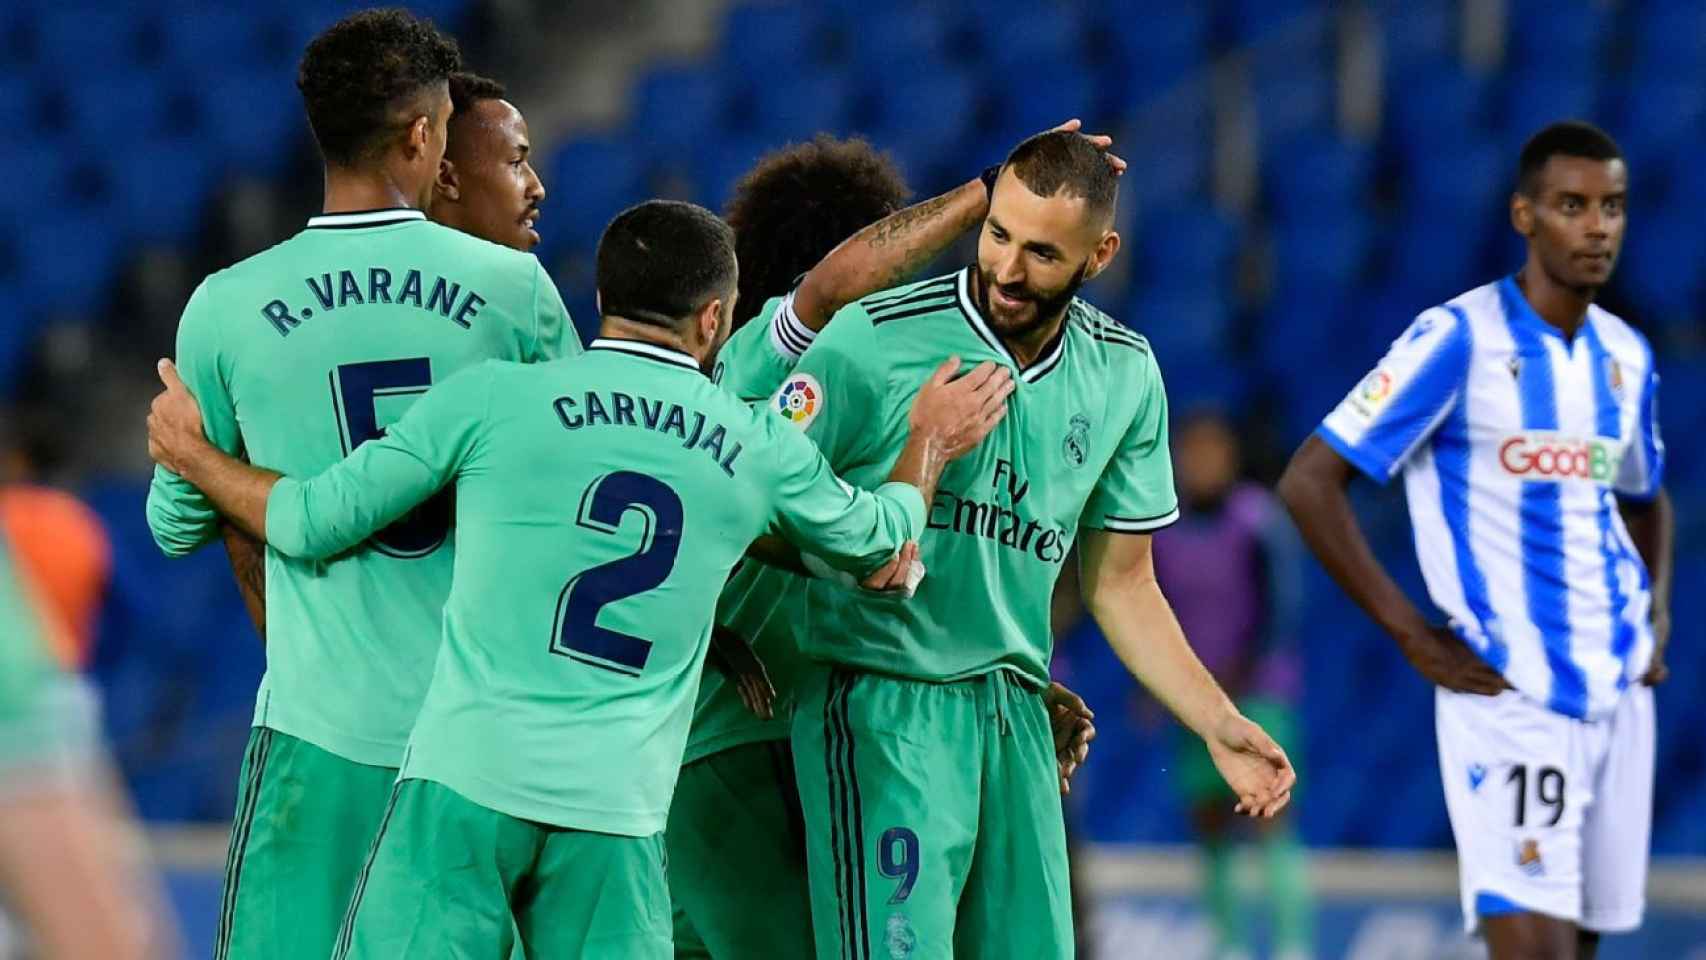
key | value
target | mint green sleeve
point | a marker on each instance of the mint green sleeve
(837, 392)
(179, 516)
(852, 529)
(386, 477)
(1135, 493)
(554, 333)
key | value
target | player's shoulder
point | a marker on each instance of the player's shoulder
(936, 296)
(1620, 337)
(1093, 331)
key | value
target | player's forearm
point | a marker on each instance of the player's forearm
(888, 252)
(1652, 526)
(1313, 491)
(774, 551)
(921, 463)
(249, 565)
(238, 491)
(1140, 627)
(179, 516)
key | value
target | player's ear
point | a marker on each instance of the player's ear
(1522, 214)
(709, 321)
(420, 134)
(446, 185)
(1106, 248)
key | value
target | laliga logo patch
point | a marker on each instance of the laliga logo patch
(800, 399)
(1370, 395)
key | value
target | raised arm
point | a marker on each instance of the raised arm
(1117, 576)
(894, 248)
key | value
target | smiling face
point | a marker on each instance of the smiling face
(1034, 253)
(1573, 218)
(488, 187)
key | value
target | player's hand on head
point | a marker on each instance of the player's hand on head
(174, 420)
(1253, 765)
(1100, 141)
(957, 412)
(1444, 659)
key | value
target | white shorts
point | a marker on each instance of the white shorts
(1551, 815)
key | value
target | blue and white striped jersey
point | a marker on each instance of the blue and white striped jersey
(1515, 445)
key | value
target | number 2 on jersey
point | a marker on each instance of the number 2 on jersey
(356, 391)
(576, 633)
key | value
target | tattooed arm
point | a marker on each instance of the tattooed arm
(249, 565)
(887, 252)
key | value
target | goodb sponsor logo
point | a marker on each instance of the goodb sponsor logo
(1558, 458)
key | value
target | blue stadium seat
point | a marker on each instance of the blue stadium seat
(1025, 36)
(97, 38)
(1536, 97)
(1197, 242)
(1149, 51)
(43, 184)
(1415, 32)
(20, 105)
(768, 43)
(723, 164)
(1670, 41)
(591, 180)
(1658, 112)
(1459, 178)
(68, 263)
(252, 121)
(1252, 20)
(797, 106)
(207, 39)
(923, 114)
(1437, 103)
(1438, 257)
(1314, 173)
(890, 41)
(157, 188)
(1563, 35)
(117, 107)
(1032, 100)
(16, 336)
(1190, 325)
(1663, 266)
(1182, 119)
(678, 107)
(1299, 100)
(1328, 251)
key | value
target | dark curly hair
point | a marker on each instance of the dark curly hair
(797, 203)
(363, 72)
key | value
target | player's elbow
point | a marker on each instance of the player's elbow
(176, 536)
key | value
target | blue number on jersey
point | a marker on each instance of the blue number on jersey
(356, 389)
(576, 633)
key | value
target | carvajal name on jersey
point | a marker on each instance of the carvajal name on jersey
(327, 292)
(616, 409)
(1551, 456)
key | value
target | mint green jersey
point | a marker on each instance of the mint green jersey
(600, 504)
(759, 603)
(297, 356)
(1084, 444)
(47, 717)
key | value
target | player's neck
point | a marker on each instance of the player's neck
(1027, 346)
(621, 328)
(1565, 308)
(349, 190)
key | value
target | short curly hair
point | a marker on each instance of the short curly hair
(661, 260)
(365, 70)
(468, 90)
(797, 203)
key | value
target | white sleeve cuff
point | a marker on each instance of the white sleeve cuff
(788, 335)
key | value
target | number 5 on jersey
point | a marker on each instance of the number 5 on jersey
(357, 389)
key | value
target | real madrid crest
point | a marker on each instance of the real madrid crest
(1077, 445)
